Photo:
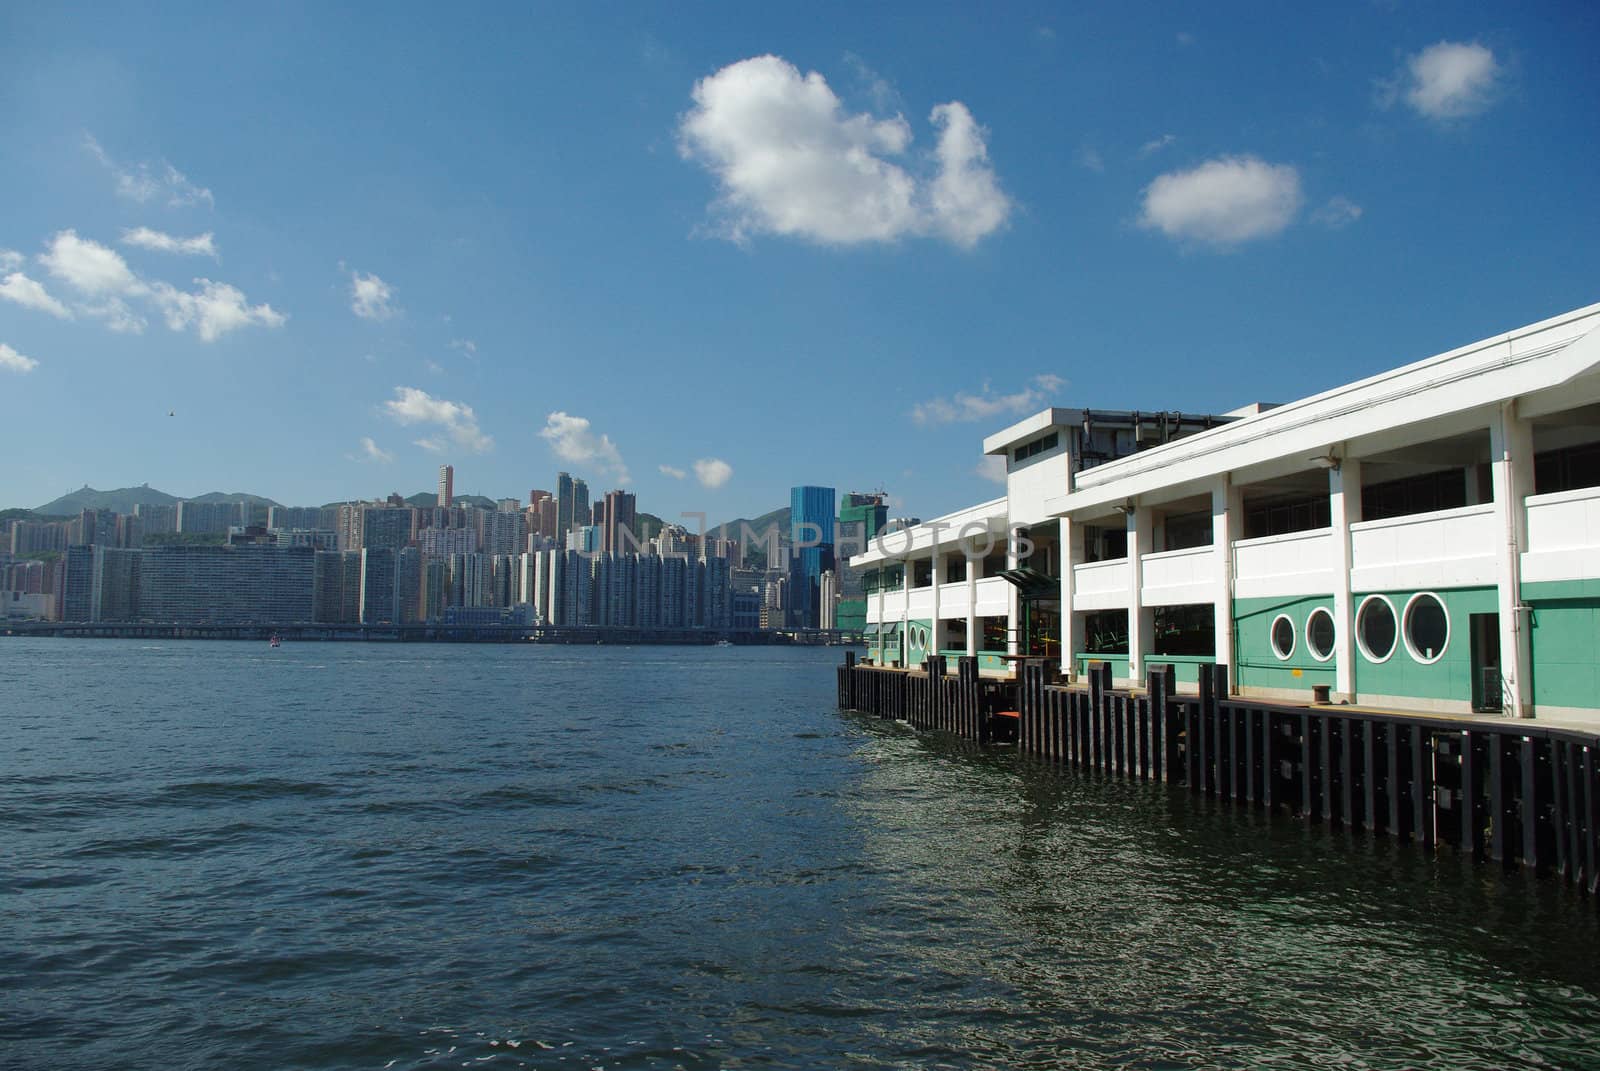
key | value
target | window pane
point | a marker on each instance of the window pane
(1376, 629)
(1427, 628)
(1319, 633)
(1283, 637)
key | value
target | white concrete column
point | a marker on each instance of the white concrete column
(882, 585)
(1071, 633)
(1141, 622)
(937, 639)
(972, 603)
(905, 612)
(1013, 600)
(1511, 455)
(1227, 525)
(1344, 509)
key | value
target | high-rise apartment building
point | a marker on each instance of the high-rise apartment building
(447, 486)
(572, 504)
(617, 519)
(222, 584)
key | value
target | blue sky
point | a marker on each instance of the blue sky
(708, 252)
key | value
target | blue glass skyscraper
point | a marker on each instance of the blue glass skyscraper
(811, 533)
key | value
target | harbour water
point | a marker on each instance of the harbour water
(428, 856)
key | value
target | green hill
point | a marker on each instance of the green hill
(123, 499)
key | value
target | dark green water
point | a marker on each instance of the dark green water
(347, 856)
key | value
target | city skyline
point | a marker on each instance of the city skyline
(535, 240)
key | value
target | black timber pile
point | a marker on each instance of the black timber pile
(1516, 794)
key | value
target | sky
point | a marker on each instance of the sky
(708, 252)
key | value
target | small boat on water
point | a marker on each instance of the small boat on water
(275, 641)
(723, 643)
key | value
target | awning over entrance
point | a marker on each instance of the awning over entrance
(1032, 584)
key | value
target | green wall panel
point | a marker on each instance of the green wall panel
(1448, 678)
(1255, 665)
(1565, 640)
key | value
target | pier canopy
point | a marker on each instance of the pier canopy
(1547, 367)
(981, 525)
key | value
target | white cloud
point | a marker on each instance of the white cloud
(993, 468)
(985, 405)
(1448, 80)
(370, 297)
(460, 423)
(465, 345)
(712, 472)
(28, 293)
(104, 278)
(372, 452)
(213, 311)
(675, 473)
(1224, 201)
(117, 315)
(10, 259)
(145, 182)
(573, 439)
(1339, 212)
(791, 162)
(1155, 145)
(12, 361)
(145, 238)
(1090, 159)
(89, 266)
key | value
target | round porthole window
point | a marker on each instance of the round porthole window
(1376, 630)
(1282, 636)
(1319, 634)
(1427, 628)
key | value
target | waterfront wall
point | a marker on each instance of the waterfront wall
(1514, 794)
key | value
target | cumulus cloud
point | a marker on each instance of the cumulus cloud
(145, 238)
(145, 182)
(88, 266)
(675, 473)
(116, 314)
(1223, 202)
(12, 361)
(712, 472)
(108, 286)
(457, 421)
(10, 258)
(1339, 212)
(964, 407)
(992, 468)
(1448, 80)
(30, 294)
(372, 452)
(574, 439)
(790, 161)
(213, 310)
(370, 297)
